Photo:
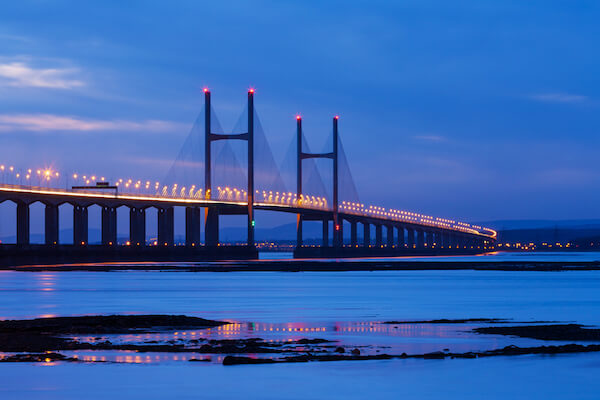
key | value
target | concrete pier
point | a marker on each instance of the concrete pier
(192, 226)
(137, 226)
(401, 241)
(211, 226)
(353, 234)
(109, 226)
(51, 225)
(166, 226)
(22, 223)
(325, 232)
(366, 234)
(80, 225)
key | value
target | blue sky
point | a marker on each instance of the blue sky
(476, 110)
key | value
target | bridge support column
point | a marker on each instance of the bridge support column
(339, 232)
(109, 226)
(378, 236)
(353, 234)
(366, 234)
(80, 225)
(299, 239)
(166, 226)
(390, 236)
(410, 238)
(137, 226)
(420, 239)
(444, 240)
(430, 239)
(51, 224)
(22, 223)
(211, 226)
(401, 237)
(192, 226)
(325, 232)
(439, 239)
(453, 241)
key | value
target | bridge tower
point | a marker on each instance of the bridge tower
(333, 155)
(211, 218)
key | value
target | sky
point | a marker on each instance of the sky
(477, 110)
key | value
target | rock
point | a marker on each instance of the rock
(235, 360)
(436, 355)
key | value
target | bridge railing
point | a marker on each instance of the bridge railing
(414, 218)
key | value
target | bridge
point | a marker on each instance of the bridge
(405, 232)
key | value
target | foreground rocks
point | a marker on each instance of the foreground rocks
(39, 340)
(438, 355)
(45, 334)
(105, 324)
(545, 332)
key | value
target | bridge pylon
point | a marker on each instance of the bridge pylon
(211, 214)
(333, 155)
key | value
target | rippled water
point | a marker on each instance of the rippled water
(344, 306)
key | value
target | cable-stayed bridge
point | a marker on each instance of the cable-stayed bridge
(217, 174)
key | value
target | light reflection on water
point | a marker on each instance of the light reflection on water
(370, 337)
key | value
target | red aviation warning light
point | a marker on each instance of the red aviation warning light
(337, 117)
(205, 90)
(298, 117)
(251, 90)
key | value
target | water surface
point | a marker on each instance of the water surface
(344, 306)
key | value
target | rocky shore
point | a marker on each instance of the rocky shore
(41, 340)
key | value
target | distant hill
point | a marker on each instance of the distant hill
(545, 231)
(513, 224)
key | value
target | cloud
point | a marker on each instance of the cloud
(49, 122)
(15, 38)
(21, 74)
(559, 98)
(430, 138)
